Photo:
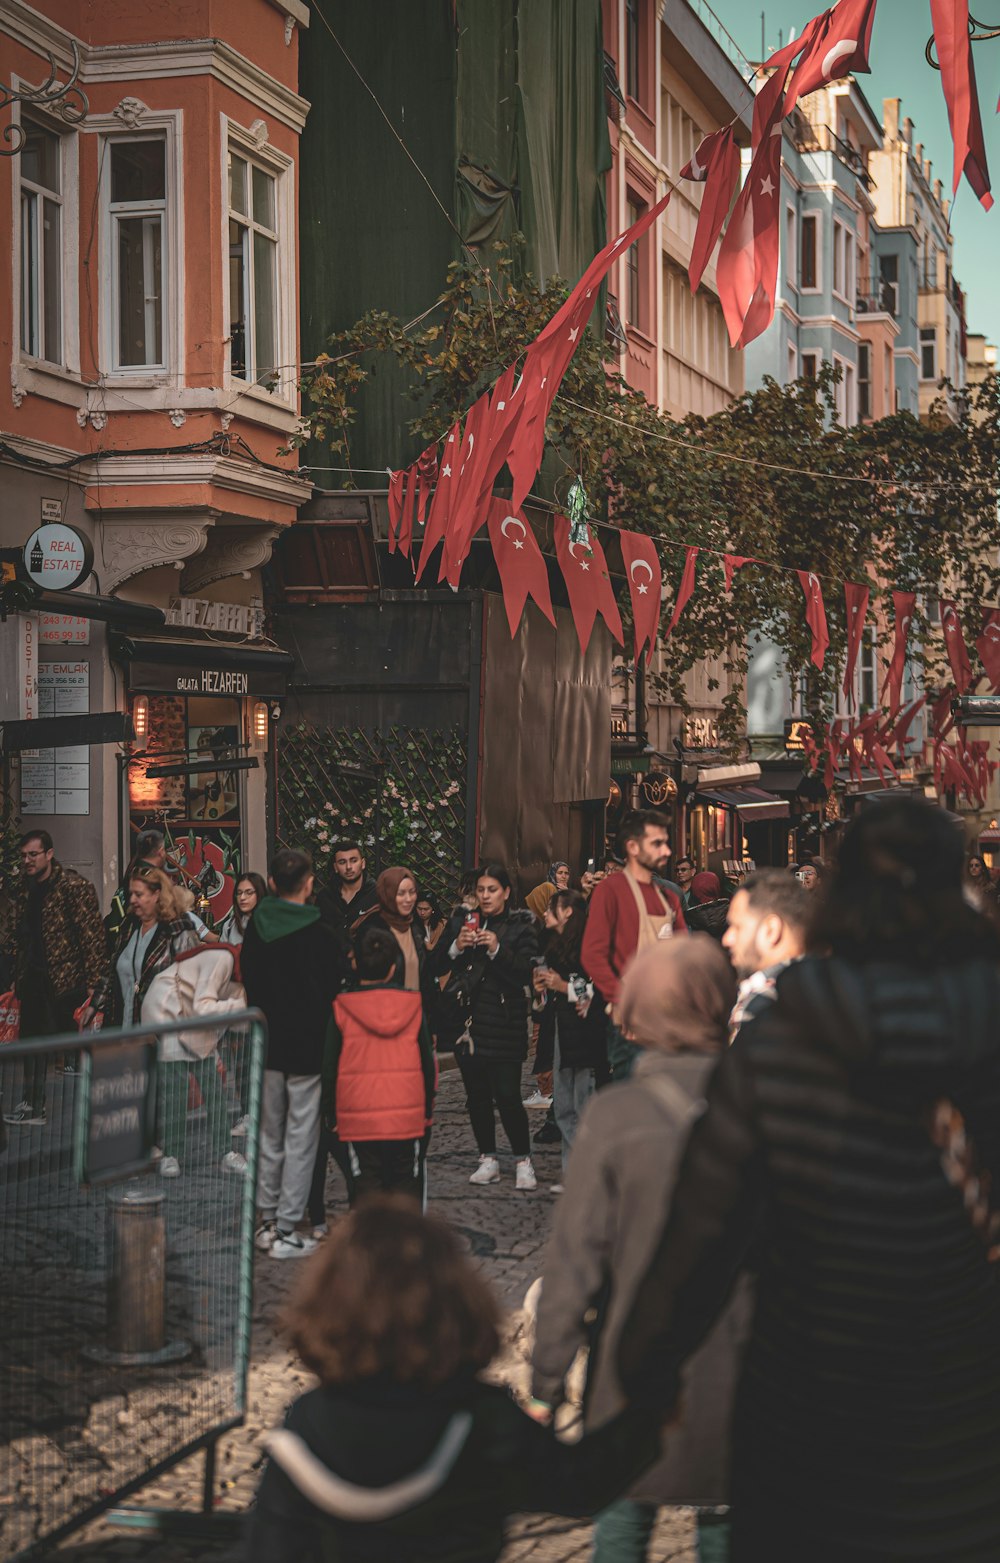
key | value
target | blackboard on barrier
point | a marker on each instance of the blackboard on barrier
(116, 1124)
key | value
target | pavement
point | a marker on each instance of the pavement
(506, 1232)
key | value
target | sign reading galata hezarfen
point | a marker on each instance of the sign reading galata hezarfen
(58, 557)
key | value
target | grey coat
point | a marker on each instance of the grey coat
(619, 1185)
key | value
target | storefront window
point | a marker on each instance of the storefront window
(206, 802)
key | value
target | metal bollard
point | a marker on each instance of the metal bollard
(137, 1283)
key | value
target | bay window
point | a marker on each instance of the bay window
(253, 271)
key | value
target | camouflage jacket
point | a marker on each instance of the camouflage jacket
(76, 949)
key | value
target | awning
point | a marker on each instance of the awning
(201, 667)
(751, 803)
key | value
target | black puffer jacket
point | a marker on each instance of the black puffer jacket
(708, 917)
(867, 1423)
(583, 1040)
(500, 986)
(363, 1445)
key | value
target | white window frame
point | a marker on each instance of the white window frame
(153, 208)
(841, 261)
(929, 379)
(792, 367)
(817, 359)
(791, 249)
(240, 140)
(865, 348)
(42, 376)
(38, 196)
(846, 392)
(166, 125)
(817, 219)
(867, 668)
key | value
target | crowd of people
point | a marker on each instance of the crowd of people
(778, 1102)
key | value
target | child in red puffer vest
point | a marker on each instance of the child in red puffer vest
(380, 1076)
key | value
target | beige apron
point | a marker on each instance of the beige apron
(653, 927)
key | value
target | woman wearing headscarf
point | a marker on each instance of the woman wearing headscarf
(396, 890)
(852, 1134)
(675, 1003)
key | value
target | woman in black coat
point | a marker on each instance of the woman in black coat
(848, 1129)
(573, 1027)
(490, 955)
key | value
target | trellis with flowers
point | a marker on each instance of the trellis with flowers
(401, 793)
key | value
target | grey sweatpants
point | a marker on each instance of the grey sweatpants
(289, 1135)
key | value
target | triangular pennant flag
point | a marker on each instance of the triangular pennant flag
(685, 589)
(645, 584)
(464, 515)
(955, 647)
(520, 563)
(958, 78)
(988, 646)
(901, 731)
(815, 616)
(903, 604)
(856, 600)
(716, 164)
(550, 354)
(427, 471)
(437, 520)
(942, 717)
(731, 563)
(587, 583)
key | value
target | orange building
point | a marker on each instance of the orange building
(149, 314)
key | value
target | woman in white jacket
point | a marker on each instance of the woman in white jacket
(163, 973)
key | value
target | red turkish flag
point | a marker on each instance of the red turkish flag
(958, 78)
(903, 604)
(747, 268)
(901, 731)
(487, 437)
(731, 563)
(520, 563)
(685, 589)
(716, 164)
(815, 616)
(426, 470)
(954, 645)
(838, 45)
(588, 584)
(396, 481)
(645, 583)
(549, 357)
(437, 520)
(988, 646)
(942, 718)
(856, 600)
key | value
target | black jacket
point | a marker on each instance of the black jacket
(341, 914)
(583, 1040)
(374, 1435)
(293, 975)
(708, 917)
(377, 920)
(499, 987)
(868, 1418)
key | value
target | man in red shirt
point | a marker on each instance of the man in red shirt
(626, 912)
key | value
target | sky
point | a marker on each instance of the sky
(899, 70)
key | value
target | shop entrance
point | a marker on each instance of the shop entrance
(207, 802)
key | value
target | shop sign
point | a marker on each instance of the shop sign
(797, 735)
(232, 618)
(116, 1129)
(27, 665)
(188, 679)
(658, 788)
(213, 681)
(63, 629)
(701, 732)
(57, 781)
(58, 557)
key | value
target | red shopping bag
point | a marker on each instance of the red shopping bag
(10, 1017)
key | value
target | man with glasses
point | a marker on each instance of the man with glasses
(53, 936)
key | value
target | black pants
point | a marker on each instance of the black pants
(329, 1145)
(495, 1084)
(388, 1167)
(43, 1014)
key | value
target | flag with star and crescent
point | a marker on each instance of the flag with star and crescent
(954, 645)
(588, 584)
(645, 584)
(988, 646)
(903, 604)
(520, 563)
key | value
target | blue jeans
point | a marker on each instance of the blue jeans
(621, 1053)
(571, 1091)
(623, 1529)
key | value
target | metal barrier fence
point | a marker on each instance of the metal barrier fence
(126, 1247)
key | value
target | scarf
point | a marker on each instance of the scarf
(677, 996)
(386, 889)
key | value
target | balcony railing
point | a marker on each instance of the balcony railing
(876, 297)
(723, 37)
(821, 138)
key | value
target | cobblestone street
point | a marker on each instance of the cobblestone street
(507, 1232)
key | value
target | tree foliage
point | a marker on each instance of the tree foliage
(773, 477)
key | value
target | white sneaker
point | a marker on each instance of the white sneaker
(558, 1188)
(291, 1245)
(536, 1099)
(526, 1175)
(170, 1167)
(265, 1236)
(488, 1171)
(239, 1129)
(232, 1161)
